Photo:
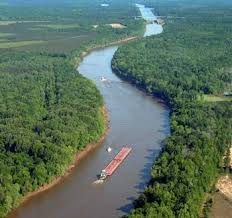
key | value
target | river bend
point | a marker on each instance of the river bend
(137, 120)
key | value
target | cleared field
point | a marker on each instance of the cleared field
(60, 26)
(10, 22)
(36, 29)
(6, 23)
(65, 29)
(5, 34)
(18, 44)
(214, 98)
(117, 25)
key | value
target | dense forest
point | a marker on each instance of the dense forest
(48, 111)
(192, 58)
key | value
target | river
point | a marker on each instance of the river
(137, 120)
(222, 206)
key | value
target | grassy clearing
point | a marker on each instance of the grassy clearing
(10, 22)
(117, 25)
(214, 98)
(18, 44)
(6, 23)
(5, 34)
(35, 29)
(60, 26)
(64, 30)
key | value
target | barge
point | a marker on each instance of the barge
(115, 163)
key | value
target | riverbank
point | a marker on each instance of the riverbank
(88, 148)
(224, 185)
(121, 41)
(77, 58)
(78, 157)
(187, 149)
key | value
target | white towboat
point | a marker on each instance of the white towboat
(109, 149)
(103, 79)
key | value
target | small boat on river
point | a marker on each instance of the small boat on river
(115, 163)
(109, 149)
(103, 79)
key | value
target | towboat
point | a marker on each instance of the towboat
(103, 175)
(103, 79)
(115, 163)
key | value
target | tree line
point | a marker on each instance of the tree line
(48, 112)
(192, 57)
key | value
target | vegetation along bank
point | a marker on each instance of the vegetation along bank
(48, 111)
(190, 60)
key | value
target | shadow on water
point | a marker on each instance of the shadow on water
(144, 175)
(145, 172)
(165, 128)
(127, 207)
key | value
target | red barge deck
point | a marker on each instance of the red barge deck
(114, 164)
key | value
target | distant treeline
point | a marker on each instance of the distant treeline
(193, 56)
(82, 11)
(67, 28)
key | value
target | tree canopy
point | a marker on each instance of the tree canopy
(192, 56)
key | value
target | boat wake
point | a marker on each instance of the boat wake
(98, 181)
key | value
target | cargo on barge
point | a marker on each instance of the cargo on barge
(115, 163)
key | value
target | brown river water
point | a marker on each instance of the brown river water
(137, 120)
(222, 207)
